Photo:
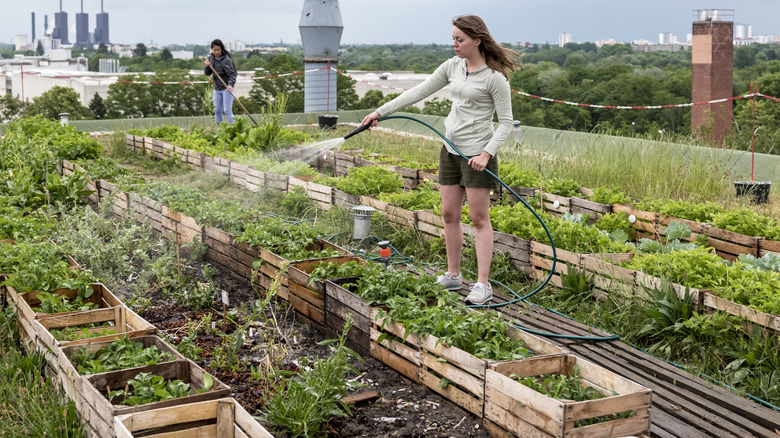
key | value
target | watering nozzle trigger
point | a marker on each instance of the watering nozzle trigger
(385, 254)
(358, 130)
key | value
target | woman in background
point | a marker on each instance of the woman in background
(221, 61)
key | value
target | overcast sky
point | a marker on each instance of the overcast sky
(386, 21)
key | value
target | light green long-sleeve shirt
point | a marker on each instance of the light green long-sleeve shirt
(475, 97)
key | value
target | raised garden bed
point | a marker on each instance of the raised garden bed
(523, 411)
(223, 418)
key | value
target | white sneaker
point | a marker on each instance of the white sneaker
(480, 294)
(449, 282)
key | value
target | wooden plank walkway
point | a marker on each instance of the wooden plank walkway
(683, 405)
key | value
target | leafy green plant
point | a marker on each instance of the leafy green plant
(693, 211)
(606, 195)
(422, 198)
(57, 303)
(768, 262)
(79, 333)
(568, 387)
(671, 241)
(515, 176)
(304, 403)
(562, 187)
(331, 270)
(149, 388)
(370, 180)
(120, 354)
(746, 221)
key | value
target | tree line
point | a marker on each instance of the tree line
(584, 73)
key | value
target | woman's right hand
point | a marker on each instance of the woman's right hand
(207, 62)
(371, 119)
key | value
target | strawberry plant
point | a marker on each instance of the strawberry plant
(121, 354)
(55, 303)
(149, 388)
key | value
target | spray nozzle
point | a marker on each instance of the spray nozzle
(385, 254)
(358, 130)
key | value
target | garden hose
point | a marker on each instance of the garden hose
(517, 298)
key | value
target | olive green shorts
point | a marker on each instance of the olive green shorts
(455, 170)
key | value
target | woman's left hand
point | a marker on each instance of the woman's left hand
(479, 162)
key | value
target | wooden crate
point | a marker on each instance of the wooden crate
(71, 379)
(120, 319)
(518, 250)
(767, 246)
(96, 410)
(466, 372)
(180, 228)
(399, 350)
(593, 209)
(345, 200)
(299, 272)
(400, 216)
(255, 180)
(429, 174)
(304, 301)
(276, 182)
(525, 412)
(430, 225)
(408, 175)
(340, 301)
(101, 297)
(223, 418)
(711, 300)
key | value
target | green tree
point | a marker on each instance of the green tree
(346, 96)
(264, 90)
(437, 107)
(97, 107)
(102, 49)
(10, 107)
(59, 100)
(39, 49)
(132, 100)
(140, 50)
(166, 55)
(371, 99)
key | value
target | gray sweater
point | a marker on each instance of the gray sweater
(475, 98)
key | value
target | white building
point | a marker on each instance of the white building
(20, 43)
(667, 38)
(563, 39)
(182, 54)
(235, 46)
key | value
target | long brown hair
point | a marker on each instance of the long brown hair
(497, 58)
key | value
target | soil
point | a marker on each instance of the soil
(404, 408)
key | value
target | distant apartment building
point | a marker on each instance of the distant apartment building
(563, 39)
(667, 38)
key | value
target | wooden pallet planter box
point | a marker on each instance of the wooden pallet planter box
(711, 300)
(320, 193)
(408, 175)
(373, 201)
(767, 246)
(525, 412)
(345, 200)
(645, 221)
(121, 320)
(157, 147)
(429, 224)
(343, 163)
(223, 418)
(400, 216)
(69, 375)
(550, 202)
(728, 244)
(518, 250)
(427, 174)
(139, 144)
(276, 182)
(340, 301)
(399, 350)
(130, 141)
(541, 262)
(179, 227)
(100, 413)
(593, 209)
(238, 173)
(101, 297)
(270, 256)
(525, 192)
(255, 179)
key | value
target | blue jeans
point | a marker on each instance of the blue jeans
(223, 101)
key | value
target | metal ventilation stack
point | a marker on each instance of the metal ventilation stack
(321, 29)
